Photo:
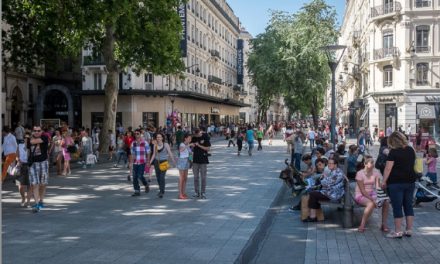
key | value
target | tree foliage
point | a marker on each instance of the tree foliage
(286, 59)
(142, 34)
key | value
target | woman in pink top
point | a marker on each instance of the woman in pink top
(368, 180)
(66, 142)
(431, 162)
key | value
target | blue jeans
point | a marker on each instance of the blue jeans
(121, 155)
(138, 174)
(297, 157)
(251, 146)
(312, 143)
(432, 176)
(401, 195)
(160, 176)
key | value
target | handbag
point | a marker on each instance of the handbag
(164, 165)
(418, 164)
(381, 197)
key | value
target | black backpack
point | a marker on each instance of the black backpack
(381, 160)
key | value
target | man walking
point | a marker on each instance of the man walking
(139, 156)
(39, 170)
(201, 145)
(9, 150)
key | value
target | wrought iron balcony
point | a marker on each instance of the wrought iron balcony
(236, 88)
(423, 49)
(386, 53)
(215, 53)
(385, 9)
(214, 79)
(89, 60)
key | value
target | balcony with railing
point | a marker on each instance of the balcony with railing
(90, 60)
(214, 79)
(423, 49)
(386, 53)
(215, 53)
(237, 88)
(385, 10)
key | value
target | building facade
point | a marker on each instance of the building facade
(389, 75)
(210, 91)
(248, 93)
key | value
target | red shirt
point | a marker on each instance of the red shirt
(128, 140)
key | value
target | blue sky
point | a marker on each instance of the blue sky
(254, 14)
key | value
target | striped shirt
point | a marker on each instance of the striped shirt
(139, 151)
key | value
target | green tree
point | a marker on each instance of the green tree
(142, 34)
(286, 58)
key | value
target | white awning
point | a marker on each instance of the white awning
(364, 114)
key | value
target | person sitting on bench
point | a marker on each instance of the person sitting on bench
(332, 183)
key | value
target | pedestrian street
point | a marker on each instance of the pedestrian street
(90, 216)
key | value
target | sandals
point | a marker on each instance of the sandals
(395, 235)
(407, 233)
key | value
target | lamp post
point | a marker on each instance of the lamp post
(333, 61)
(172, 97)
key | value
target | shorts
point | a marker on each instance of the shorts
(360, 199)
(39, 173)
(183, 164)
(23, 178)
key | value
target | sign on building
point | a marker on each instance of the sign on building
(426, 111)
(240, 46)
(183, 38)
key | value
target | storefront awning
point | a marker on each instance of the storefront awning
(364, 114)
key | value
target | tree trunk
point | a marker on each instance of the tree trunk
(110, 88)
(314, 112)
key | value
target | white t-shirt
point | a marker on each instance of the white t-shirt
(311, 134)
(184, 154)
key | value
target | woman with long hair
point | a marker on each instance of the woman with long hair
(66, 142)
(161, 153)
(399, 179)
(183, 162)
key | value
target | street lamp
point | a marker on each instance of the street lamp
(172, 97)
(333, 61)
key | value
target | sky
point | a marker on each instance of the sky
(254, 14)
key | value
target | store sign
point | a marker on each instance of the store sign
(240, 74)
(183, 38)
(426, 111)
(215, 110)
(432, 98)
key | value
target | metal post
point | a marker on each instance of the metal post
(333, 66)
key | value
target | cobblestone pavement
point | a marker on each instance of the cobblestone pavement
(91, 218)
(288, 240)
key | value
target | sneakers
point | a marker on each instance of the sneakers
(295, 208)
(160, 195)
(41, 204)
(136, 194)
(147, 188)
(203, 196)
(36, 207)
(196, 195)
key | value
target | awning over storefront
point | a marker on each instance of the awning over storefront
(364, 114)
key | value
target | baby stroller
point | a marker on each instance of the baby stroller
(292, 178)
(425, 192)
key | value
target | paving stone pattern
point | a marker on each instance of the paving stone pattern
(91, 218)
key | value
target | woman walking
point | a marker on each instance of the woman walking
(399, 178)
(66, 143)
(185, 157)
(161, 153)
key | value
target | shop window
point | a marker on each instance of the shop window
(422, 74)
(387, 75)
(150, 119)
(98, 119)
(422, 3)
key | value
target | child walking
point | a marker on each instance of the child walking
(240, 137)
(431, 163)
